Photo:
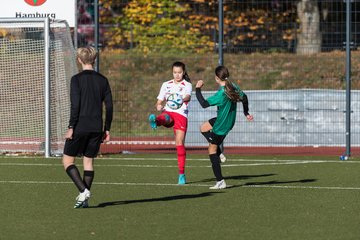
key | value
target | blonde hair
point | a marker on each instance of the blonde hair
(87, 55)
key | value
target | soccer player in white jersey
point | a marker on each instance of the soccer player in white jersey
(177, 119)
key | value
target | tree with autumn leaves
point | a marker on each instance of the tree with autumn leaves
(157, 26)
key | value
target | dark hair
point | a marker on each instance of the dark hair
(231, 92)
(182, 65)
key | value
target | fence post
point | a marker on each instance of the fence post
(47, 86)
(221, 32)
(96, 15)
(348, 78)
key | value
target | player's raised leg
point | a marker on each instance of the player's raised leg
(152, 121)
(163, 119)
(205, 129)
(220, 153)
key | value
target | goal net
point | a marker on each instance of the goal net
(28, 122)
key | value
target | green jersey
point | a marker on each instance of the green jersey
(226, 112)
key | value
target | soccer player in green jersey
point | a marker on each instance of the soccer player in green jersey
(216, 129)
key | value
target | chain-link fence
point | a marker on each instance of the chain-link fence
(268, 45)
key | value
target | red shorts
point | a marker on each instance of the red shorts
(180, 122)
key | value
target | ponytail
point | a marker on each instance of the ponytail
(186, 77)
(230, 90)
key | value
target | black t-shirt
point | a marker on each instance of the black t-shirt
(88, 91)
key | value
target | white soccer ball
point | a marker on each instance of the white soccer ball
(174, 101)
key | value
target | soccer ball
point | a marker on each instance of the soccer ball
(174, 101)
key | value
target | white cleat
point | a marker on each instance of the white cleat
(222, 158)
(219, 185)
(81, 199)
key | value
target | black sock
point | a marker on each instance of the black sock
(215, 163)
(218, 151)
(74, 174)
(88, 178)
(207, 135)
(221, 146)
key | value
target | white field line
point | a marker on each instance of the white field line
(31, 164)
(274, 163)
(222, 165)
(228, 160)
(301, 187)
(169, 166)
(202, 159)
(187, 185)
(188, 159)
(101, 159)
(106, 183)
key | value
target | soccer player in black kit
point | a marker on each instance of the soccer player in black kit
(86, 130)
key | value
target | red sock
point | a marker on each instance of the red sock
(181, 154)
(164, 120)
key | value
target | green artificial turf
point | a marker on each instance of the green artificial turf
(136, 197)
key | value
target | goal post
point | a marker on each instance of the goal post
(37, 60)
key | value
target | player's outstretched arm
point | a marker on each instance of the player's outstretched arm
(199, 95)
(245, 103)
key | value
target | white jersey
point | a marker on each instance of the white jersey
(183, 88)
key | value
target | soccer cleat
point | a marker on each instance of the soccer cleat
(222, 158)
(152, 121)
(219, 185)
(85, 204)
(81, 199)
(182, 179)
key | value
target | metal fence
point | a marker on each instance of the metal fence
(304, 117)
(250, 26)
(267, 47)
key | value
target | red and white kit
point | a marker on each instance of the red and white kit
(183, 88)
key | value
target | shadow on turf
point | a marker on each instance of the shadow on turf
(170, 198)
(281, 182)
(239, 177)
(273, 183)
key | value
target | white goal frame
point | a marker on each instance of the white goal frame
(46, 25)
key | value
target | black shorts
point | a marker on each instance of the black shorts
(83, 144)
(212, 121)
(213, 138)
